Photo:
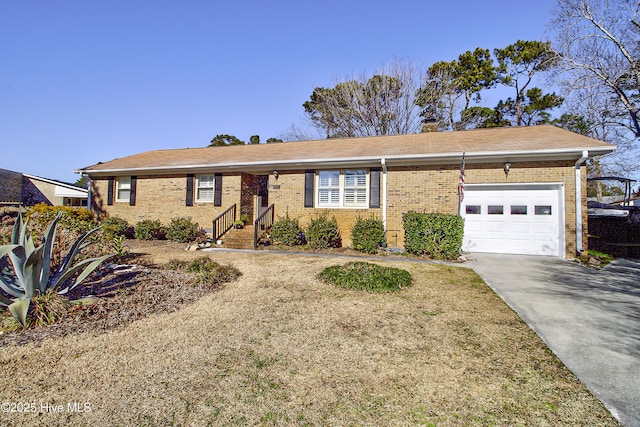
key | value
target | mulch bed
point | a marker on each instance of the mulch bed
(124, 294)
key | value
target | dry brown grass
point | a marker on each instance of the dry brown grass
(278, 347)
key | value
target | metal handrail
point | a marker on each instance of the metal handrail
(262, 224)
(223, 222)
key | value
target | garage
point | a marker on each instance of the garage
(514, 219)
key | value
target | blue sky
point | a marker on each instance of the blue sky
(88, 81)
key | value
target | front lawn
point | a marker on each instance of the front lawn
(280, 347)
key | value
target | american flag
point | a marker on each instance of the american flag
(461, 184)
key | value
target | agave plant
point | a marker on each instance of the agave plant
(30, 269)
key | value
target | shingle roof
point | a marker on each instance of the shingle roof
(481, 144)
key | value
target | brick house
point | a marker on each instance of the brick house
(21, 189)
(524, 192)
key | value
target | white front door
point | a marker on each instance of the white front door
(513, 219)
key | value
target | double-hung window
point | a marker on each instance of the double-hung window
(355, 188)
(123, 189)
(205, 188)
(346, 188)
(329, 188)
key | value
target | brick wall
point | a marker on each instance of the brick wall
(431, 188)
(287, 195)
(35, 191)
(10, 186)
(164, 197)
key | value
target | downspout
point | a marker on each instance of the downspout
(579, 245)
(383, 163)
(89, 187)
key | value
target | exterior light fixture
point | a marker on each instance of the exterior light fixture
(507, 167)
(275, 174)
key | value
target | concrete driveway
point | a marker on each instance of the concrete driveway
(590, 319)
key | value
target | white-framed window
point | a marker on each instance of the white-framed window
(205, 188)
(342, 188)
(355, 188)
(329, 188)
(123, 189)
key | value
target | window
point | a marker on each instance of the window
(205, 188)
(473, 210)
(338, 189)
(519, 210)
(123, 189)
(329, 188)
(355, 188)
(543, 210)
(495, 210)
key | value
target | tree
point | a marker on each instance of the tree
(383, 104)
(518, 63)
(533, 108)
(450, 87)
(224, 140)
(598, 42)
(83, 182)
(484, 117)
(273, 140)
(254, 139)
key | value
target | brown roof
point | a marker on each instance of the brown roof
(478, 145)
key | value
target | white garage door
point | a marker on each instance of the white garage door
(513, 219)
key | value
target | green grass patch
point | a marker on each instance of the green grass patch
(366, 277)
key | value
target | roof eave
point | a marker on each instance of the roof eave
(397, 160)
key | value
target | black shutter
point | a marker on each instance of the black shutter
(132, 192)
(217, 195)
(189, 195)
(309, 178)
(374, 187)
(110, 184)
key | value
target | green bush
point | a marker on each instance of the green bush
(208, 272)
(183, 230)
(287, 231)
(47, 213)
(149, 230)
(323, 232)
(434, 235)
(114, 226)
(79, 220)
(367, 277)
(367, 235)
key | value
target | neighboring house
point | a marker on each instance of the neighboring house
(21, 189)
(525, 189)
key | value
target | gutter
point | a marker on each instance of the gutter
(295, 163)
(383, 162)
(579, 243)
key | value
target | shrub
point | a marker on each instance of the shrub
(323, 232)
(79, 220)
(208, 272)
(114, 226)
(148, 230)
(287, 231)
(434, 235)
(365, 276)
(32, 273)
(367, 235)
(183, 230)
(48, 213)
